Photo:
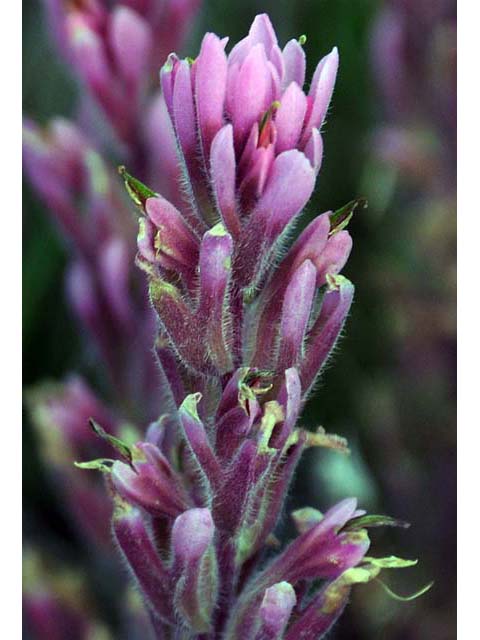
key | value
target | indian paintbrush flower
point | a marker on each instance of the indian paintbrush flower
(116, 50)
(87, 205)
(245, 326)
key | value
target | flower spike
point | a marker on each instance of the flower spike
(199, 456)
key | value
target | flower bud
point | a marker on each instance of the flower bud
(326, 329)
(195, 568)
(192, 534)
(327, 606)
(174, 244)
(237, 410)
(178, 322)
(232, 499)
(149, 482)
(268, 495)
(114, 272)
(322, 552)
(213, 313)
(333, 258)
(143, 559)
(60, 415)
(276, 208)
(164, 172)
(251, 93)
(170, 368)
(320, 94)
(210, 89)
(183, 115)
(53, 164)
(297, 305)
(197, 440)
(275, 611)
(89, 304)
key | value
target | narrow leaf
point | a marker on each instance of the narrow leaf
(399, 598)
(137, 191)
(102, 464)
(369, 521)
(340, 218)
(120, 446)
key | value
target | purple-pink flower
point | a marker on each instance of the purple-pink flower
(246, 132)
(245, 325)
(116, 48)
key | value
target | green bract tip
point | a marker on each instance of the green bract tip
(137, 191)
(218, 230)
(340, 218)
(120, 446)
(102, 464)
(399, 598)
(189, 405)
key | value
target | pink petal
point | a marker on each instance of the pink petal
(289, 117)
(321, 92)
(210, 87)
(252, 93)
(223, 173)
(280, 203)
(314, 150)
(333, 257)
(184, 112)
(295, 63)
(262, 32)
(297, 305)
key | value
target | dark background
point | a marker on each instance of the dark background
(390, 387)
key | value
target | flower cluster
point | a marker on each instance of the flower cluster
(115, 49)
(245, 325)
(67, 164)
(243, 333)
(83, 195)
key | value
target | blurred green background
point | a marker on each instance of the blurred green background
(390, 388)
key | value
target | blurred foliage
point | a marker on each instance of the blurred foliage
(390, 388)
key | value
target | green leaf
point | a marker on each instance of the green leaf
(340, 218)
(399, 598)
(370, 569)
(369, 521)
(101, 464)
(320, 438)
(137, 191)
(120, 446)
(390, 562)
